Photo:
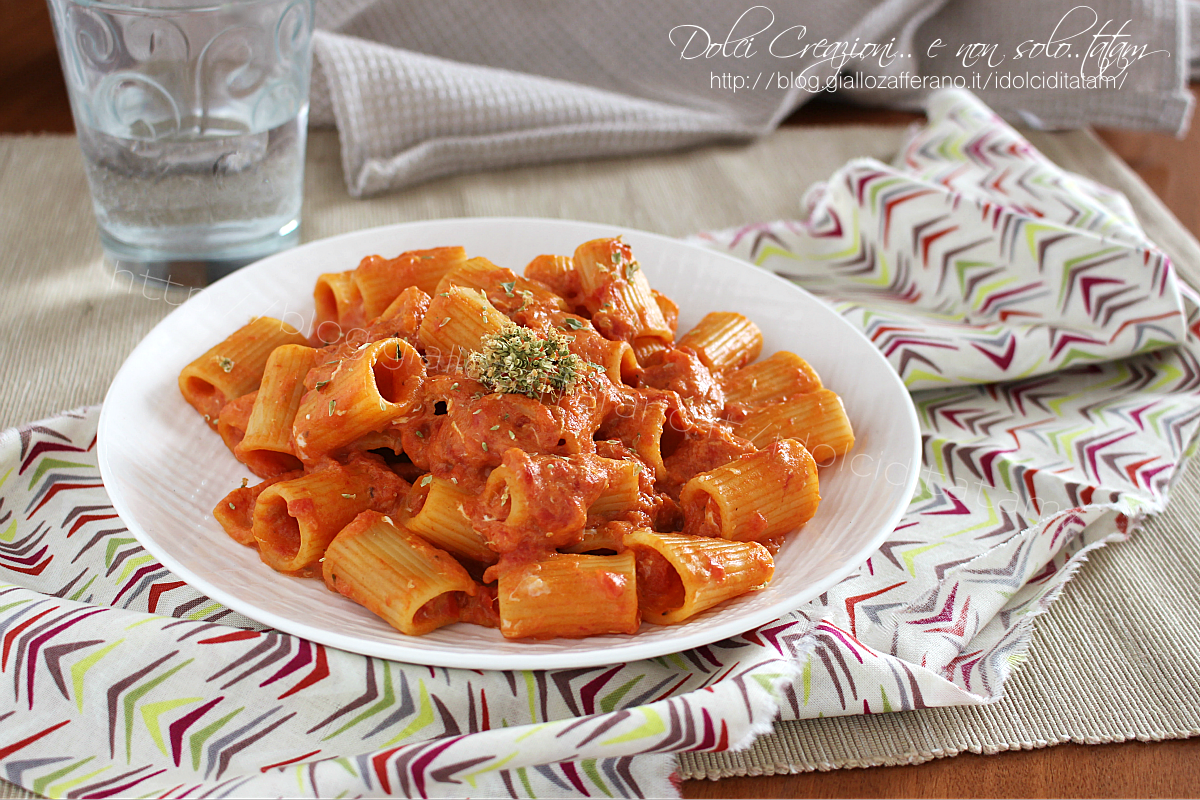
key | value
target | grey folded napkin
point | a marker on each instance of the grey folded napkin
(428, 88)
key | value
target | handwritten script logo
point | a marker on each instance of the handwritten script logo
(1099, 47)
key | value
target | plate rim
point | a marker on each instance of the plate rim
(569, 657)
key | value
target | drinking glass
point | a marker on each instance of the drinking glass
(192, 117)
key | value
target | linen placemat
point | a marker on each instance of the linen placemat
(497, 193)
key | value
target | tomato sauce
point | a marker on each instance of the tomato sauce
(659, 587)
(535, 465)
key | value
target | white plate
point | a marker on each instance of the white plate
(165, 470)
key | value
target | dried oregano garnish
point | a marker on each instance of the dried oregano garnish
(518, 360)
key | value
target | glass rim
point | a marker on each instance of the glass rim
(185, 6)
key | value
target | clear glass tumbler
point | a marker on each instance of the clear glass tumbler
(192, 117)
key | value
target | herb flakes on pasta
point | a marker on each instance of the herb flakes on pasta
(518, 360)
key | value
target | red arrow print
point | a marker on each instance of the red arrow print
(5, 752)
(158, 590)
(1140, 320)
(1086, 284)
(955, 413)
(1005, 313)
(1131, 469)
(85, 519)
(851, 602)
(959, 506)
(46, 447)
(998, 296)
(834, 232)
(882, 329)
(927, 242)
(289, 761)
(890, 205)
(62, 487)
(863, 181)
(945, 615)
(997, 183)
(1001, 361)
(15, 632)
(235, 636)
(319, 673)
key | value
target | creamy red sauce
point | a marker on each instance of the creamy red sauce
(660, 589)
(560, 451)
(680, 371)
(709, 446)
(438, 610)
(669, 416)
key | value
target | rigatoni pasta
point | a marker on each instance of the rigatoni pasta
(457, 320)
(816, 419)
(782, 375)
(396, 574)
(367, 390)
(267, 447)
(234, 367)
(724, 340)
(443, 521)
(295, 520)
(379, 280)
(603, 592)
(754, 497)
(458, 443)
(682, 576)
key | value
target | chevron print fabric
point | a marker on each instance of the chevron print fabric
(1054, 361)
(119, 680)
(977, 259)
(1053, 358)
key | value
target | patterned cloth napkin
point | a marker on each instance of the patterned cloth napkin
(1053, 358)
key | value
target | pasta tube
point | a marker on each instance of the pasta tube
(570, 596)
(782, 375)
(503, 288)
(443, 521)
(295, 520)
(381, 280)
(235, 512)
(457, 321)
(754, 497)
(644, 347)
(724, 340)
(396, 574)
(640, 426)
(267, 446)
(376, 385)
(816, 419)
(231, 425)
(615, 357)
(557, 272)
(668, 307)
(681, 576)
(234, 367)
(339, 306)
(608, 536)
(617, 294)
(621, 494)
(540, 498)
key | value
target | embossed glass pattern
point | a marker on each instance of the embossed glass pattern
(192, 121)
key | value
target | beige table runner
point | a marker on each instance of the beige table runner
(68, 323)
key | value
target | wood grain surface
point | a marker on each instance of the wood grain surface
(33, 99)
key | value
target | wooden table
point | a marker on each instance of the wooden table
(33, 99)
